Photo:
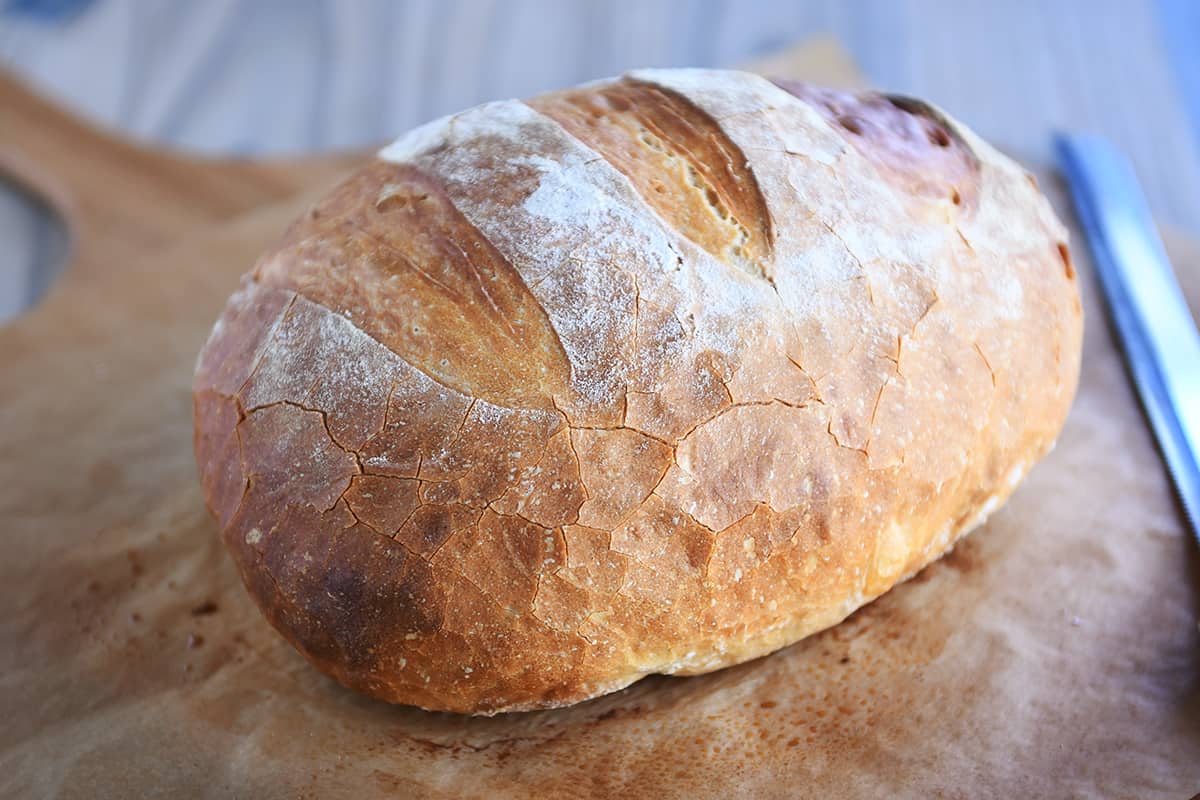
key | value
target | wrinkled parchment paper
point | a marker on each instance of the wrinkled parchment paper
(1055, 653)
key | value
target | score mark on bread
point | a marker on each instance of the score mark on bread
(656, 375)
(412, 272)
(680, 161)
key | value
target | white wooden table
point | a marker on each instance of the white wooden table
(273, 76)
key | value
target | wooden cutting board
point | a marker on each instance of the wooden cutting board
(1054, 653)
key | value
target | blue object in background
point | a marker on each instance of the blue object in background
(46, 10)
(1181, 30)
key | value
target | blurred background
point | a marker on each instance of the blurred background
(264, 77)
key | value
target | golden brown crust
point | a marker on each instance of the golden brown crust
(508, 423)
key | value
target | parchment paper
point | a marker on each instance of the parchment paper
(1055, 653)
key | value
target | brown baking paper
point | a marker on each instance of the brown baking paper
(1054, 653)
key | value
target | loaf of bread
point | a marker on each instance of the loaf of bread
(656, 375)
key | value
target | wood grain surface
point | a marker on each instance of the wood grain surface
(271, 77)
(1053, 654)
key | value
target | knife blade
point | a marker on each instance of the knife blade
(1154, 327)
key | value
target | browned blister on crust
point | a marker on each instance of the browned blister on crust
(908, 140)
(659, 374)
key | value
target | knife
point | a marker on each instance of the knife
(1151, 317)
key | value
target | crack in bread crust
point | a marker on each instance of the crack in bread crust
(496, 427)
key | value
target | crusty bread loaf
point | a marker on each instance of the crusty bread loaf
(655, 375)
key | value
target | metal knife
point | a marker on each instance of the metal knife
(1152, 320)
